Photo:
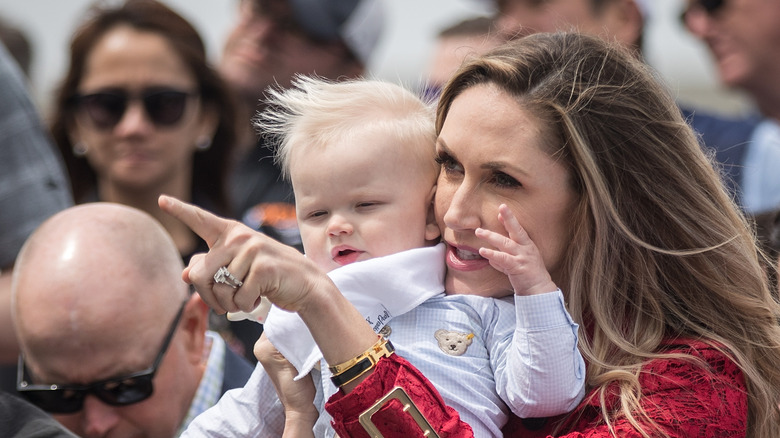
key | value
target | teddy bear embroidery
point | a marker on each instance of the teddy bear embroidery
(453, 343)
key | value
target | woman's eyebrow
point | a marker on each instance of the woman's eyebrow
(490, 165)
(502, 166)
(443, 145)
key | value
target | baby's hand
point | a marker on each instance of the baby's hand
(516, 256)
(297, 397)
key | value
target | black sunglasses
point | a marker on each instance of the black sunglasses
(164, 106)
(118, 391)
(710, 7)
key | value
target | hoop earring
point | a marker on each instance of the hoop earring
(80, 149)
(203, 143)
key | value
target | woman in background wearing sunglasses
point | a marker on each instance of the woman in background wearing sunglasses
(140, 112)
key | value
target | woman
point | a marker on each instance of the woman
(657, 251)
(140, 112)
(564, 128)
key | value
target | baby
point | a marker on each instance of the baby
(360, 156)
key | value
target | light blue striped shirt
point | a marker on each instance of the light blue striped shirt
(523, 357)
(210, 387)
(255, 410)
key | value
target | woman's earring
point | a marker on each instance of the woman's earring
(79, 149)
(203, 143)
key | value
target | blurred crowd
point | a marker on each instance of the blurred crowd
(114, 343)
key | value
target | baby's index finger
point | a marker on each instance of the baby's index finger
(205, 224)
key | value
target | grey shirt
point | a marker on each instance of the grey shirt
(33, 182)
(21, 419)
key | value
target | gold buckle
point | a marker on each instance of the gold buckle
(399, 394)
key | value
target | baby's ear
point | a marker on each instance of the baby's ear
(432, 231)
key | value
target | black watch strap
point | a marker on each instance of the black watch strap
(364, 364)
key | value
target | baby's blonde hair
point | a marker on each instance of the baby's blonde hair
(316, 112)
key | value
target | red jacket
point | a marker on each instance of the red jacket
(685, 399)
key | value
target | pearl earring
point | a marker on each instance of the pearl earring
(79, 149)
(203, 143)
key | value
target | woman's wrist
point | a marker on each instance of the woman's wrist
(360, 366)
(337, 327)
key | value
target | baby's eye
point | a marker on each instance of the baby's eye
(316, 214)
(365, 204)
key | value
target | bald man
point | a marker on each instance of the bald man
(100, 309)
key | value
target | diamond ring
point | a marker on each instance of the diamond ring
(223, 276)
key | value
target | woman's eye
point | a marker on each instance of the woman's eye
(448, 163)
(503, 180)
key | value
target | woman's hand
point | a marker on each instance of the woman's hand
(516, 256)
(272, 270)
(267, 268)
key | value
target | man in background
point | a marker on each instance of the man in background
(623, 21)
(743, 37)
(271, 41)
(457, 42)
(113, 343)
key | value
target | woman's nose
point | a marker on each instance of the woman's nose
(463, 210)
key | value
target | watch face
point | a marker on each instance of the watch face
(363, 363)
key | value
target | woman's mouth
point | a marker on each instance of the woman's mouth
(465, 259)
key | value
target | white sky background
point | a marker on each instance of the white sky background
(404, 50)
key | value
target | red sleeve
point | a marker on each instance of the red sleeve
(684, 398)
(390, 420)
